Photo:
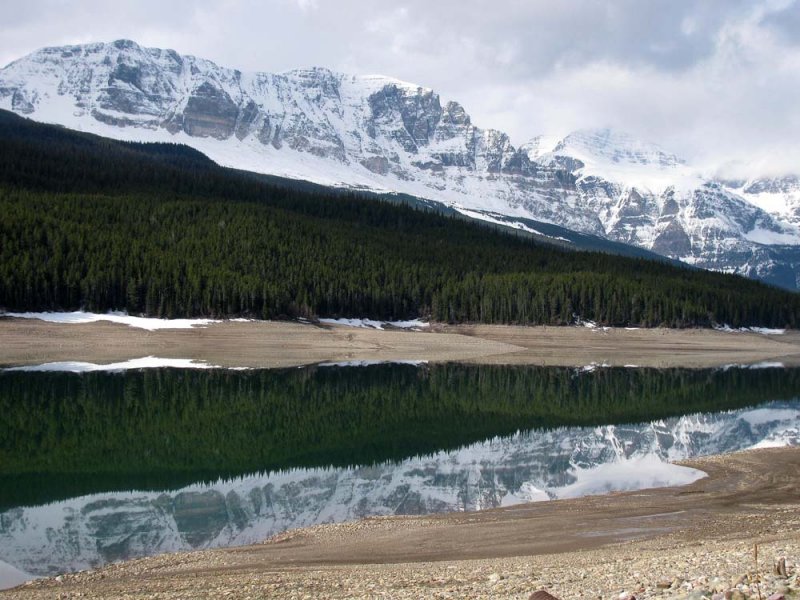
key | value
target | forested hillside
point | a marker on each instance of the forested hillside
(158, 229)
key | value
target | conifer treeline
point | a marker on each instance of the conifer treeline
(160, 230)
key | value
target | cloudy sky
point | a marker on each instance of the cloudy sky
(713, 80)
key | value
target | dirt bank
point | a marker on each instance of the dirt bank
(284, 344)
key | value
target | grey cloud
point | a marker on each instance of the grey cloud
(786, 22)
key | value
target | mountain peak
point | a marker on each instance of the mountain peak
(616, 147)
(541, 145)
(381, 133)
(123, 44)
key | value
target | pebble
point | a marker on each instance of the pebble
(666, 569)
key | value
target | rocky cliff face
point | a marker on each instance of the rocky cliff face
(648, 198)
(777, 195)
(379, 133)
(536, 465)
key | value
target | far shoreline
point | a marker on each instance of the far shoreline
(283, 344)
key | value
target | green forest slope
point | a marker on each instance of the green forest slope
(92, 223)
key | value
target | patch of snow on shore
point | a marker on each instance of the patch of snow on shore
(79, 316)
(147, 362)
(372, 324)
(589, 324)
(761, 330)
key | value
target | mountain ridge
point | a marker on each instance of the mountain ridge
(97, 224)
(380, 134)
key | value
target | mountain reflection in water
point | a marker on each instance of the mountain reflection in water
(338, 444)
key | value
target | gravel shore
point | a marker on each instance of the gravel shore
(692, 542)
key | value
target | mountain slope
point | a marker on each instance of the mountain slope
(372, 132)
(377, 133)
(158, 229)
(649, 198)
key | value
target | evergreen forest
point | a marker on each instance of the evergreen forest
(158, 229)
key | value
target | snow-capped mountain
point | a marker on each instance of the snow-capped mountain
(530, 466)
(779, 196)
(378, 133)
(647, 197)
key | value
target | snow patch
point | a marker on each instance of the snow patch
(480, 215)
(372, 324)
(762, 330)
(768, 237)
(79, 316)
(580, 322)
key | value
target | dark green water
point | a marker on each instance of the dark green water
(64, 435)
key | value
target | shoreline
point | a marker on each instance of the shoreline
(638, 542)
(283, 344)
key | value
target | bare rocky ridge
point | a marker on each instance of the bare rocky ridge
(374, 132)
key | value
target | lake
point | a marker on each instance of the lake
(103, 466)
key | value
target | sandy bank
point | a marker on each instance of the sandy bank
(285, 344)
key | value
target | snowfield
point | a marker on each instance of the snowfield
(153, 324)
(370, 363)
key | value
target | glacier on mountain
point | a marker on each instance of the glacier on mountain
(378, 133)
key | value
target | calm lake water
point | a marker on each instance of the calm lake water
(97, 467)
